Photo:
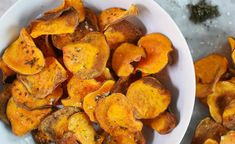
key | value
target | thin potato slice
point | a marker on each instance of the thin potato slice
(231, 41)
(229, 138)
(106, 75)
(208, 72)
(210, 141)
(78, 89)
(42, 84)
(123, 56)
(229, 115)
(157, 47)
(163, 124)
(23, 57)
(148, 97)
(22, 97)
(90, 101)
(43, 43)
(115, 115)
(222, 95)
(76, 4)
(113, 15)
(206, 129)
(65, 22)
(80, 125)
(23, 121)
(5, 95)
(87, 59)
(6, 71)
(122, 32)
(89, 25)
(55, 125)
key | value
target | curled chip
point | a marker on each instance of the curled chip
(23, 57)
(78, 89)
(42, 84)
(43, 43)
(87, 58)
(5, 95)
(64, 21)
(164, 123)
(23, 121)
(229, 115)
(76, 4)
(23, 98)
(113, 15)
(123, 56)
(210, 141)
(89, 25)
(115, 115)
(229, 138)
(55, 125)
(121, 32)
(106, 75)
(232, 45)
(6, 71)
(157, 47)
(206, 129)
(90, 101)
(148, 97)
(208, 72)
(220, 98)
(80, 125)
(133, 138)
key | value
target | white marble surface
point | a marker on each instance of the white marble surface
(202, 39)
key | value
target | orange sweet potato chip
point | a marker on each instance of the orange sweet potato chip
(43, 43)
(115, 115)
(78, 89)
(122, 32)
(80, 125)
(6, 71)
(148, 97)
(87, 58)
(23, 56)
(132, 138)
(89, 25)
(123, 56)
(229, 138)
(22, 97)
(23, 121)
(63, 22)
(113, 15)
(42, 84)
(208, 72)
(90, 100)
(157, 48)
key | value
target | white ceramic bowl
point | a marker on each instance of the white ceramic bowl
(181, 80)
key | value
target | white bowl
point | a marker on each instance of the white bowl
(155, 19)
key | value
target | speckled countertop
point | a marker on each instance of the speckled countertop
(204, 38)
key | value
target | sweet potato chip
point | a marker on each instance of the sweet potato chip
(23, 98)
(63, 22)
(80, 125)
(231, 41)
(229, 115)
(23, 121)
(220, 98)
(210, 141)
(42, 84)
(78, 89)
(23, 56)
(76, 4)
(148, 97)
(132, 138)
(113, 15)
(163, 124)
(229, 138)
(208, 72)
(123, 56)
(55, 125)
(115, 115)
(90, 100)
(5, 95)
(6, 71)
(106, 75)
(157, 47)
(206, 129)
(122, 32)
(87, 59)
(89, 25)
(43, 43)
